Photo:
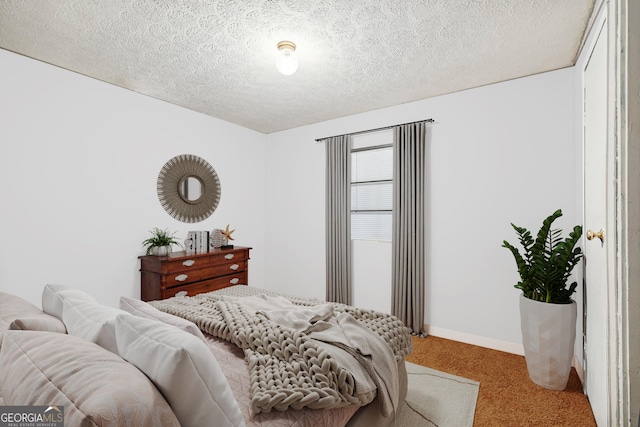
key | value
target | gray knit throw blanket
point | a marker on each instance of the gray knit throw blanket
(287, 368)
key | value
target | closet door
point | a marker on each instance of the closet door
(597, 288)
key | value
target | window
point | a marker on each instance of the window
(372, 187)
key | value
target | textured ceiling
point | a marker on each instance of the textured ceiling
(217, 57)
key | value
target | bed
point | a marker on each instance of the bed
(262, 392)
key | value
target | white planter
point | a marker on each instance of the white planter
(161, 250)
(548, 336)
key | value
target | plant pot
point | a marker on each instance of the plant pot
(161, 250)
(548, 336)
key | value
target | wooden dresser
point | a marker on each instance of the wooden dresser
(165, 276)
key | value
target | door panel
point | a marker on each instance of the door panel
(595, 219)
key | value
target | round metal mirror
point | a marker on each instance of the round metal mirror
(191, 189)
(188, 188)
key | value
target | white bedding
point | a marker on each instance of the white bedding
(236, 371)
(232, 360)
(273, 351)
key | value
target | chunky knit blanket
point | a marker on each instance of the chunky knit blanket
(288, 368)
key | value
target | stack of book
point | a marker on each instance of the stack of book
(197, 242)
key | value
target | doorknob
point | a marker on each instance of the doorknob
(595, 235)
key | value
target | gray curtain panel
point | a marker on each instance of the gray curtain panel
(338, 219)
(408, 234)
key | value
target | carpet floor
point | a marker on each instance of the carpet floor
(507, 397)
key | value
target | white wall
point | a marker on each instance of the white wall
(79, 160)
(499, 154)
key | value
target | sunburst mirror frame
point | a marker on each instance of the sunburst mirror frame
(174, 173)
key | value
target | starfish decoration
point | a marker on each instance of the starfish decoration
(226, 234)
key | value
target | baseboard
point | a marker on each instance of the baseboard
(480, 341)
(491, 343)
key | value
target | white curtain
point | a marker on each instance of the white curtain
(338, 219)
(408, 234)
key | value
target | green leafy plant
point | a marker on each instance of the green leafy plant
(160, 238)
(547, 262)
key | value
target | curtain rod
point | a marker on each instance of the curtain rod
(376, 129)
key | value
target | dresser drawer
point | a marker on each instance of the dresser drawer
(207, 285)
(198, 262)
(178, 278)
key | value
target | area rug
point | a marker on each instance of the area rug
(438, 399)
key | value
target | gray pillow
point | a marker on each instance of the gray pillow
(142, 309)
(53, 297)
(182, 368)
(18, 313)
(96, 387)
(92, 321)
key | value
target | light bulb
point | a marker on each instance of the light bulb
(286, 62)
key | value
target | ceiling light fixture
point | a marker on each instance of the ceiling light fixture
(286, 62)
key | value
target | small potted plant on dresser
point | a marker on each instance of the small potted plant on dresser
(160, 242)
(547, 312)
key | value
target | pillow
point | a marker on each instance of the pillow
(142, 309)
(54, 295)
(39, 322)
(182, 368)
(18, 313)
(92, 321)
(95, 387)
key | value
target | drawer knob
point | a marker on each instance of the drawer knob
(234, 267)
(229, 256)
(181, 278)
(188, 263)
(234, 281)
